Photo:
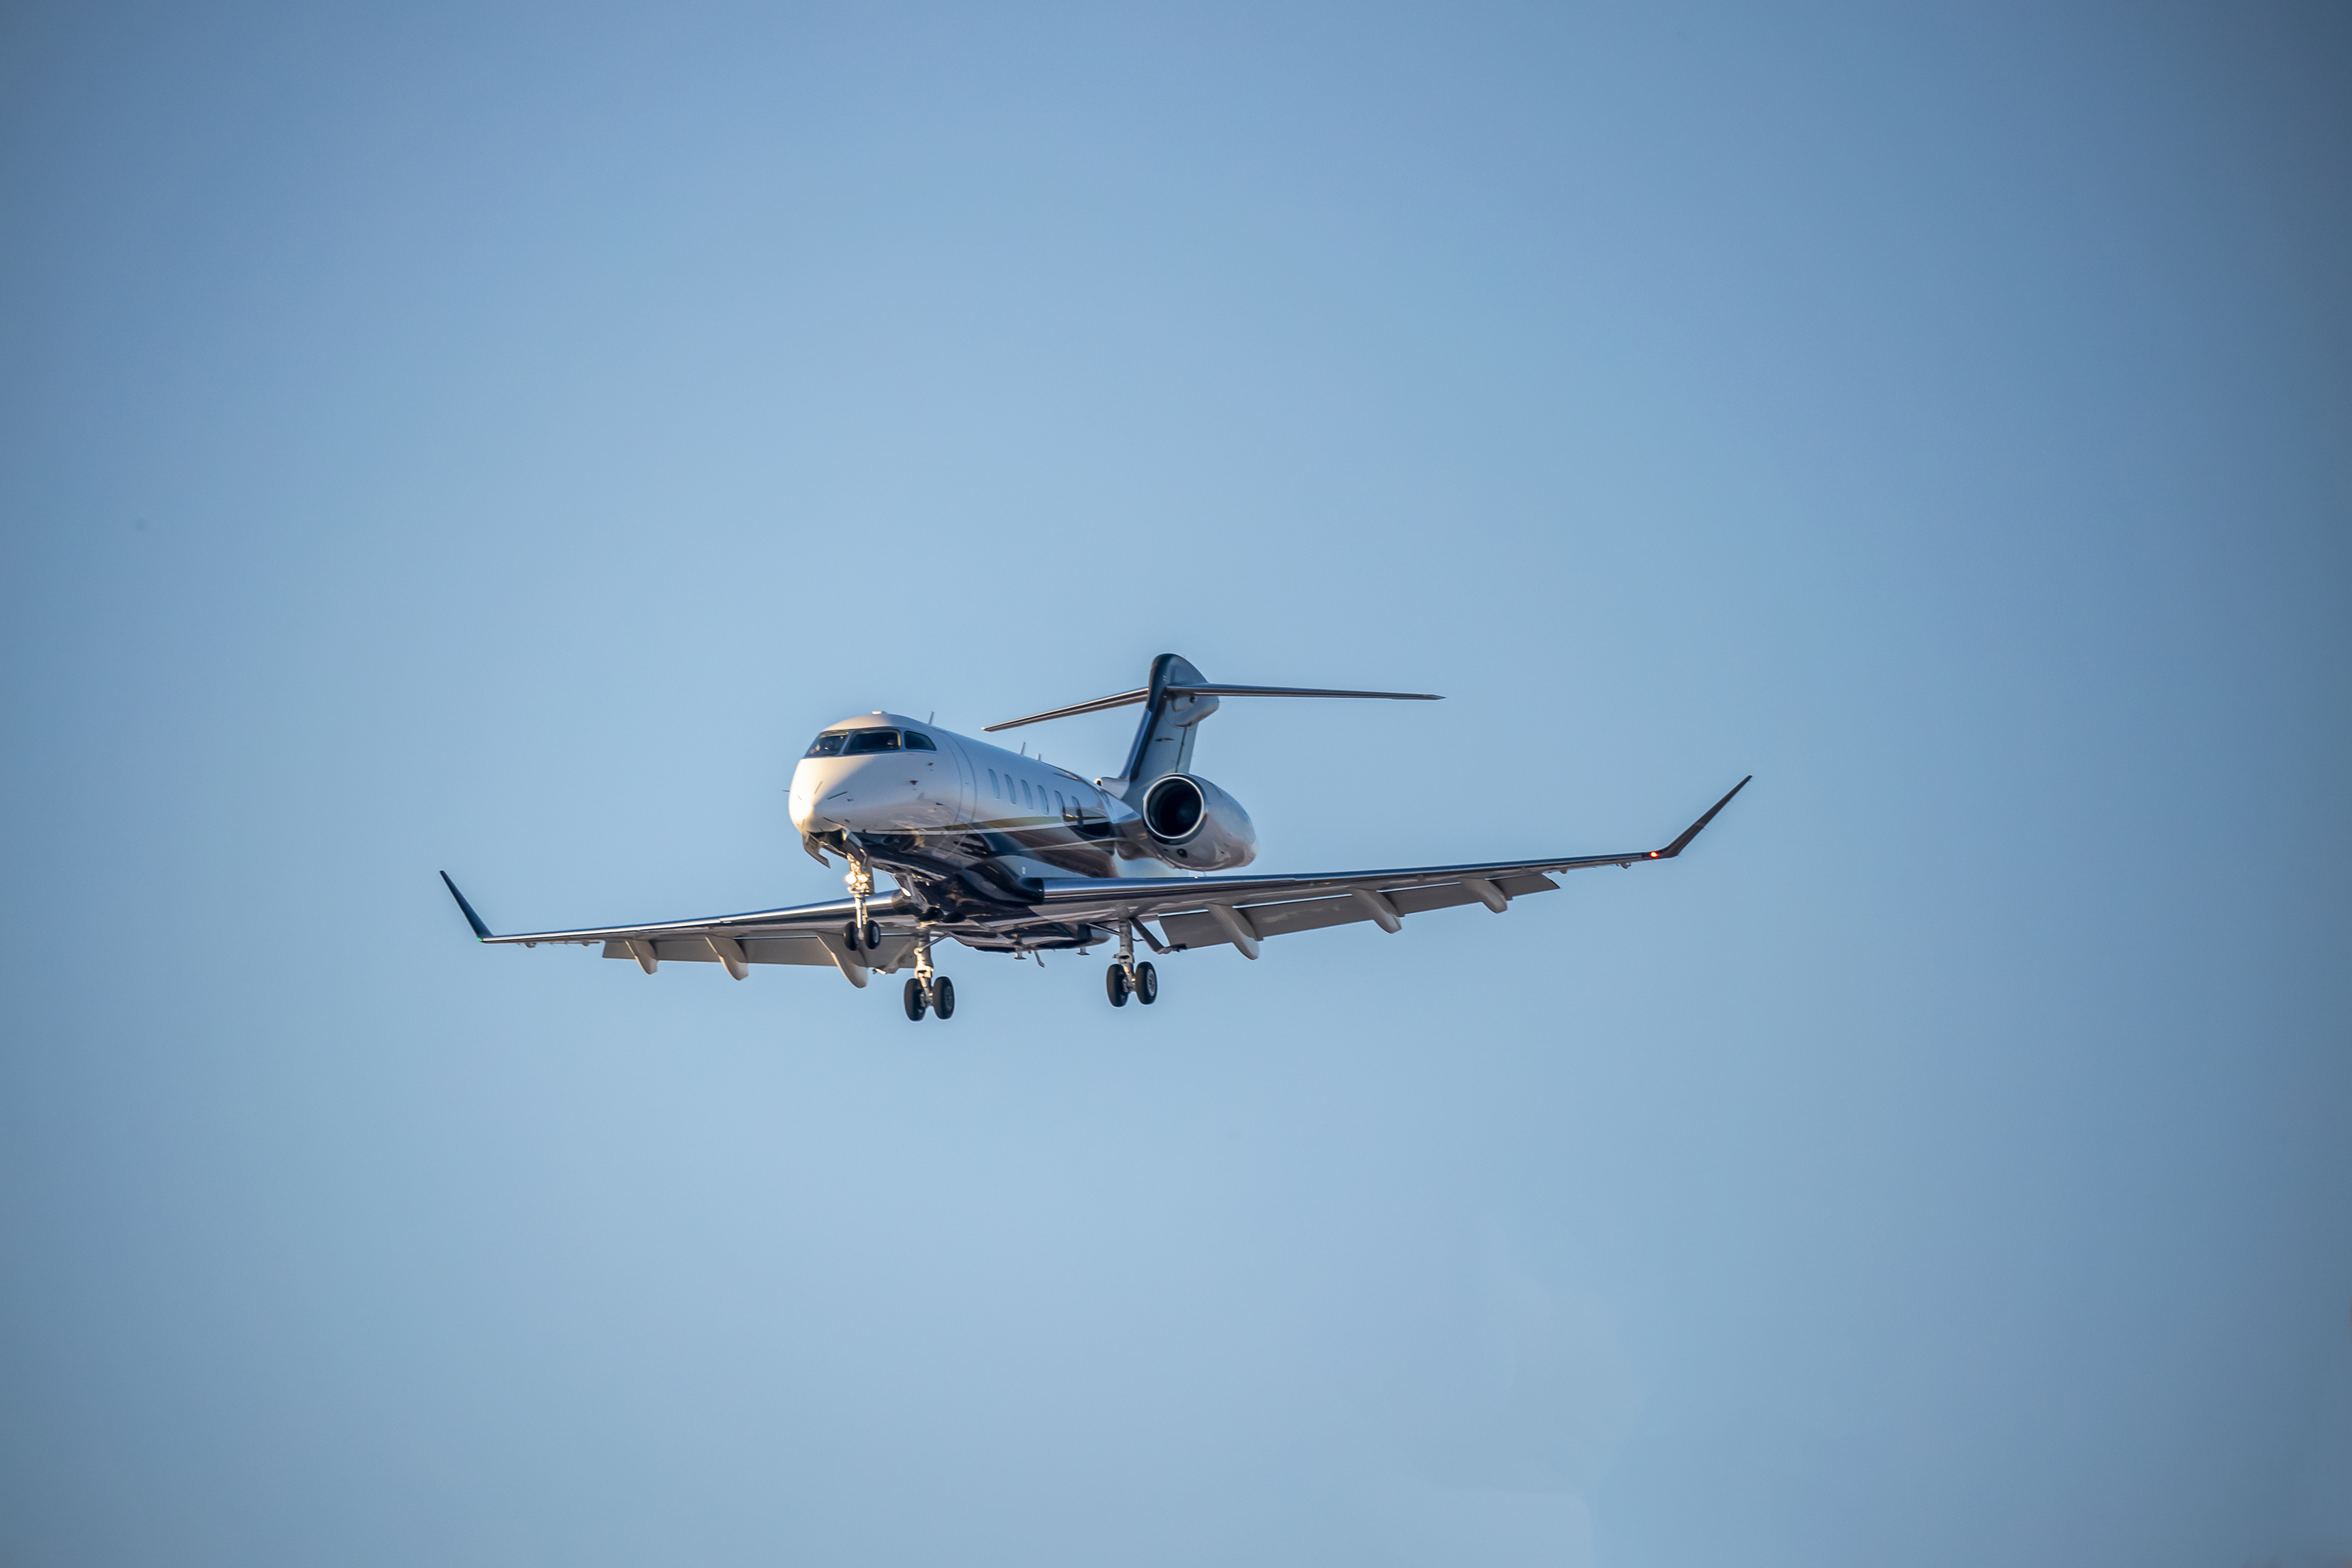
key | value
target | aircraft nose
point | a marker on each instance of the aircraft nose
(845, 792)
(808, 786)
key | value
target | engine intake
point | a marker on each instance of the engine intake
(1196, 825)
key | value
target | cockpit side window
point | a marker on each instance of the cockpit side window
(917, 741)
(826, 746)
(863, 741)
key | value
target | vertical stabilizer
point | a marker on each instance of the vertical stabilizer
(1163, 740)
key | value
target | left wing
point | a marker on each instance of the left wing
(1200, 912)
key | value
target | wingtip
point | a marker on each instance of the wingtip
(481, 931)
(1682, 843)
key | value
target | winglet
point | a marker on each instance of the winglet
(1669, 852)
(482, 932)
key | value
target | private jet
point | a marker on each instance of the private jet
(1004, 853)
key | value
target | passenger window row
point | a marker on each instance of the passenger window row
(1019, 791)
(1005, 786)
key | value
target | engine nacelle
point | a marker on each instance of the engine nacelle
(1195, 825)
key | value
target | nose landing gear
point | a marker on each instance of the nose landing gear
(860, 932)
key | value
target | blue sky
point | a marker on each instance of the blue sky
(495, 437)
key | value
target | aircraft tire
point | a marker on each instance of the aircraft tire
(1146, 983)
(944, 998)
(873, 936)
(915, 1003)
(1115, 986)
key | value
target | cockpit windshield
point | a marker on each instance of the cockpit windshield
(865, 742)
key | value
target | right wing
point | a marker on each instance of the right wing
(1200, 912)
(803, 934)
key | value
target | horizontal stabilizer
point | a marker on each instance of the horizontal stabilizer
(1128, 699)
(1100, 704)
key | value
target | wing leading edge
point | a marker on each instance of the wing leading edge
(1195, 911)
(802, 933)
(1200, 912)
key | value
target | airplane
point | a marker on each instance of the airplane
(1005, 853)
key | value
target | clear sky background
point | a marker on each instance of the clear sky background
(496, 437)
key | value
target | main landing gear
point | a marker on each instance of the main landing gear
(1143, 985)
(927, 990)
(938, 996)
(1127, 978)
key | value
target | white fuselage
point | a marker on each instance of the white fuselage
(962, 804)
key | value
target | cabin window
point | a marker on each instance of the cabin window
(1059, 809)
(918, 741)
(1024, 793)
(862, 742)
(992, 788)
(826, 746)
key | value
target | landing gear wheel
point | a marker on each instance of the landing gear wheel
(1147, 983)
(1115, 985)
(849, 937)
(944, 998)
(873, 936)
(915, 1003)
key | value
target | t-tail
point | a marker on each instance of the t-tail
(1175, 702)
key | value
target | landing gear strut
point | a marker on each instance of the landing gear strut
(1127, 978)
(860, 932)
(927, 990)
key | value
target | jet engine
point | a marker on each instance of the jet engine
(1197, 826)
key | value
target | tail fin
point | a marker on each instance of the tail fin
(1163, 739)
